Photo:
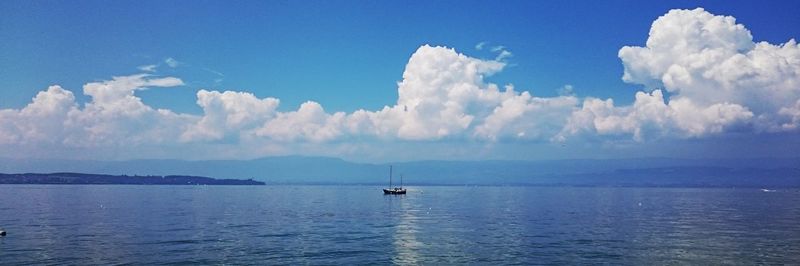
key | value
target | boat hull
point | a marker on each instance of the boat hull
(393, 191)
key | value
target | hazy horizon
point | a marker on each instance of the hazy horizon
(640, 172)
(384, 162)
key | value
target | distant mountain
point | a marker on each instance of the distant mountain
(761, 172)
(95, 179)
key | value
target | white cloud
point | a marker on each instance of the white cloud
(716, 77)
(503, 55)
(148, 68)
(566, 90)
(480, 45)
(309, 123)
(118, 92)
(498, 48)
(710, 59)
(40, 120)
(113, 117)
(651, 116)
(116, 116)
(227, 113)
(443, 95)
(793, 113)
(704, 76)
(438, 87)
(171, 62)
(523, 116)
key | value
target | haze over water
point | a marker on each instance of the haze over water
(51, 224)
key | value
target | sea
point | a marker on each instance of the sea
(431, 225)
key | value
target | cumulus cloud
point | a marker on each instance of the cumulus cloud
(114, 116)
(715, 75)
(37, 122)
(523, 116)
(229, 113)
(650, 115)
(702, 75)
(793, 113)
(309, 123)
(443, 94)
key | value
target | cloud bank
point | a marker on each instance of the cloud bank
(706, 76)
(701, 74)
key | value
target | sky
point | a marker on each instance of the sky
(398, 80)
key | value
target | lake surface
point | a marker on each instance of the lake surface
(99, 224)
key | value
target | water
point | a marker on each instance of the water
(51, 224)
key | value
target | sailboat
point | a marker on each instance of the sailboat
(394, 190)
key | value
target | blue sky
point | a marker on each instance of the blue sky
(348, 55)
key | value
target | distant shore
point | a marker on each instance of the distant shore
(99, 179)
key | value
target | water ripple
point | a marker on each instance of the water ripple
(123, 225)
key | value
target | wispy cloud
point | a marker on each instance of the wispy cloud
(480, 45)
(214, 72)
(502, 52)
(566, 90)
(503, 55)
(148, 68)
(220, 77)
(171, 62)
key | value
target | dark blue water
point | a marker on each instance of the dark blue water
(430, 225)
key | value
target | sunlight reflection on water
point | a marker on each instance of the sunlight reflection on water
(405, 242)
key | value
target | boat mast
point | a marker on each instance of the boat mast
(401, 180)
(390, 176)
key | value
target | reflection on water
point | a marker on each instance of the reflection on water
(406, 245)
(429, 225)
